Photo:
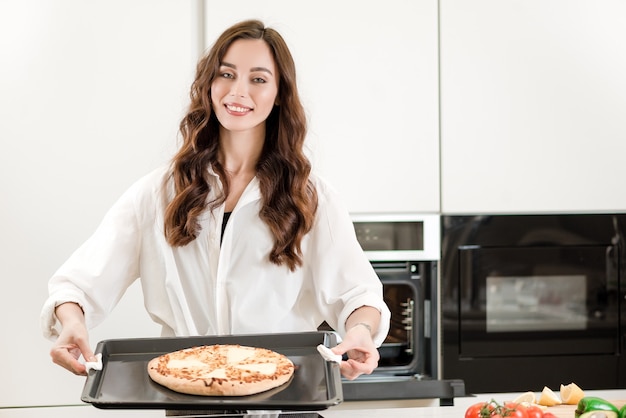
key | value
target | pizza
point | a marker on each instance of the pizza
(221, 370)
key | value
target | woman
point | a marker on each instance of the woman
(236, 236)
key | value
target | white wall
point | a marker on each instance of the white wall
(367, 73)
(91, 93)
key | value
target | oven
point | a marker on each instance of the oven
(404, 251)
(529, 301)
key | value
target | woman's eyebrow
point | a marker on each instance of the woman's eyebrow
(262, 69)
(253, 69)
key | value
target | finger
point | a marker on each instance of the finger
(340, 349)
(351, 369)
(76, 367)
(352, 351)
(362, 367)
(66, 357)
(79, 369)
(347, 371)
(86, 351)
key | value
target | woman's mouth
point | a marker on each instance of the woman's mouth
(237, 109)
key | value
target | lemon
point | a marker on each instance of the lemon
(571, 394)
(526, 399)
(548, 397)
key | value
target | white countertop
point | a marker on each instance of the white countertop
(430, 408)
(367, 409)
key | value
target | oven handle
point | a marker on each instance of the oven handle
(400, 266)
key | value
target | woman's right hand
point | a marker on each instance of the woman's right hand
(73, 340)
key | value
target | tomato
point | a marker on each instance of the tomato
(479, 410)
(495, 410)
(534, 411)
(549, 415)
(510, 410)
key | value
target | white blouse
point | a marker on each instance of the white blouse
(205, 288)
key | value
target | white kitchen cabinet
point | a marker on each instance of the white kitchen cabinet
(91, 97)
(533, 98)
(367, 73)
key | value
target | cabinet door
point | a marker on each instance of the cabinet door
(91, 97)
(533, 98)
(367, 74)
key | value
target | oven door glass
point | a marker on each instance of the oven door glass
(538, 301)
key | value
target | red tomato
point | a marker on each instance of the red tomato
(479, 410)
(549, 415)
(495, 410)
(510, 410)
(534, 411)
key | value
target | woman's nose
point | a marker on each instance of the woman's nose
(238, 89)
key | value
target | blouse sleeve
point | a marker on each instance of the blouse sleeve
(344, 278)
(98, 273)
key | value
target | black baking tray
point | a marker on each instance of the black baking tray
(124, 383)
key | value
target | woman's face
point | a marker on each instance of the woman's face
(245, 89)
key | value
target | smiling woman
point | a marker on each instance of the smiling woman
(236, 235)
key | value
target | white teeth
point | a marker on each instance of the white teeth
(237, 109)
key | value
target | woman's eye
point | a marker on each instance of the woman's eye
(259, 80)
(227, 75)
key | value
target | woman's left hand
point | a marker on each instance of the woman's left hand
(362, 353)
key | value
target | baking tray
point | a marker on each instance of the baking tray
(124, 383)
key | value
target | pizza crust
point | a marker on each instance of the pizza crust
(221, 370)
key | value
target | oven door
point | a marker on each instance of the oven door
(538, 301)
(543, 316)
(403, 350)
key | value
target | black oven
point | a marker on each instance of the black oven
(404, 251)
(529, 301)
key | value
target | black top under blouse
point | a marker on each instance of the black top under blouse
(224, 222)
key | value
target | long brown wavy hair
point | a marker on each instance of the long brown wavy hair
(288, 198)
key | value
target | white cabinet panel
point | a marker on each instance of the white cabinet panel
(92, 94)
(367, 72)
(533, 98)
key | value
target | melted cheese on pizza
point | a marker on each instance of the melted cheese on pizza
(238, 354)
(217, 374)
(263, 368)
(189, 363)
